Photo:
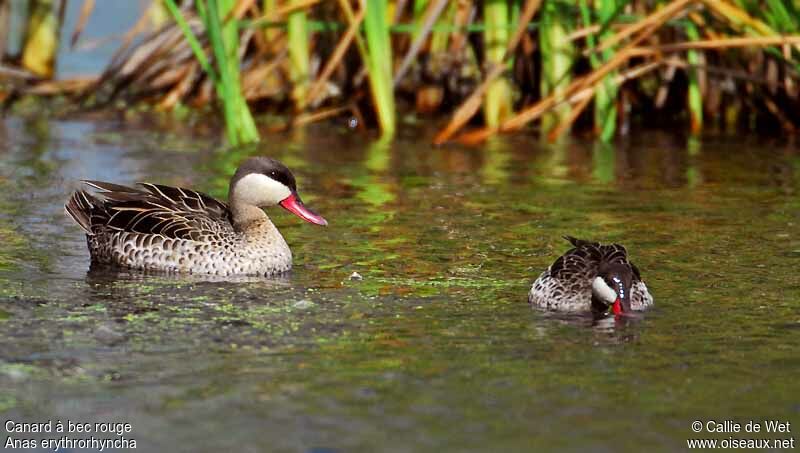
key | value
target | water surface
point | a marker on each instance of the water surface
(436, 348)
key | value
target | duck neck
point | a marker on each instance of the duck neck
(246, 217)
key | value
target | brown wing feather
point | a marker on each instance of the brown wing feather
(79, 207)
(190, 199)
(110, 187)
(585, 258)
(169, 211)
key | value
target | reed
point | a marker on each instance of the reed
(605, 96)
(268, 8)
(378, 58)
(440, 39)
(497, 106)
(694, 92)
(156, 14)
(558, 58)
(224, 40)
(554, 65)
(418, 13)
(297, 34)
(42, 37)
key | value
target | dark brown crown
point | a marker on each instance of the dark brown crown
(268, 167)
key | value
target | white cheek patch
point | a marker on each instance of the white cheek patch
(603, 291)
(260, 190)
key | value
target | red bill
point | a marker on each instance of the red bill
(295, 205)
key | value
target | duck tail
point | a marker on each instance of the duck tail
(573, 240)
(579, 242)
(79, 207)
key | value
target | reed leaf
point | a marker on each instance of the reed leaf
(191, 39)
(224, 40)
(439, 39)
(41, 38)
(268, 8)
(749, 44)
(558, 58)
(605, 106)
(297, 31)
(420, 10)
(497, 105)
(694, 94)
(379, 63)
(425, 23)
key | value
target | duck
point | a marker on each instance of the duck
(154, 227)
(591, 277)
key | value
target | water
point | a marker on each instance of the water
(436, 348)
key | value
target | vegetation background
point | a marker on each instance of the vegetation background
(601, 67)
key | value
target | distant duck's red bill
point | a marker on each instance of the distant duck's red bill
(295, 205)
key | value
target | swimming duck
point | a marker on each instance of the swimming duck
(592, 277)
(174, 229)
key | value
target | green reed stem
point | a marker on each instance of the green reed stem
(400, 29)
(378, 59)
(420, 8)
(224, 40)
(41, 38)
(267, 7)
(497, 105)
(297, 32)
(190, 37)
(439, 39)
(694, 95)
(605, 106)
(557, 56)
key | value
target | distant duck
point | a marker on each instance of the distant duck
(592, 277)
(178, 230)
